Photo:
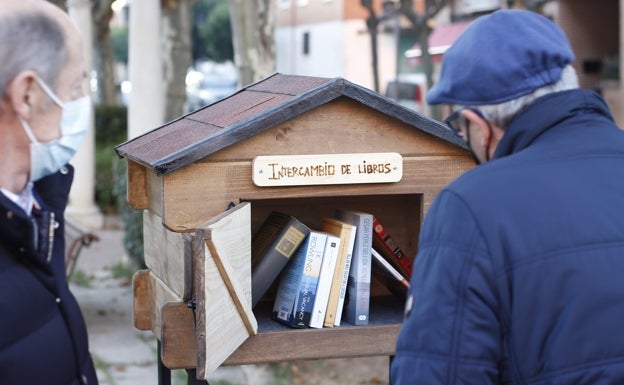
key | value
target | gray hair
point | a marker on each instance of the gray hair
(31, 41)
(501, 114)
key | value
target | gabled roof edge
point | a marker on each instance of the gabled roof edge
(391, 108)
(253, 125)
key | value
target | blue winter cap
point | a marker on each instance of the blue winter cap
(501, 56)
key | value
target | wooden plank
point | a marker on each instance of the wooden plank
(217, 184)
(150, 295)
(308, 344)
(168, 254)
(178, 343)
(142, 300)
(271, 347)
(224, 317)
(137, 186)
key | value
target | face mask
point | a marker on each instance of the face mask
(48, 157)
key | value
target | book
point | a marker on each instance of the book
(277, 239)
(389, 249)
(389, 276)
(298, 283)
(335, 303)
(326, 276)
(357, 299)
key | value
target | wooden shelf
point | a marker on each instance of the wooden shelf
(276, 342)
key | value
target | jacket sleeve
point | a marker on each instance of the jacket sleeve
(451, 333)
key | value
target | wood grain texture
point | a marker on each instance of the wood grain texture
(226, 319)
(150, 295)
(188, 203)
(178, 343)
(167, 254)
(142, 300)
(137, 186)
(308, 344)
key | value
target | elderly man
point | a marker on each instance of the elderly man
(44, 113)
(518, 278)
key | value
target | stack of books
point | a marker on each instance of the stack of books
(324, 275)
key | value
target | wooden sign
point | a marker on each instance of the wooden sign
(320, 169)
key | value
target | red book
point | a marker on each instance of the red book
(389, 249)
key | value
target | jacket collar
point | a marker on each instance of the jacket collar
(545, 113)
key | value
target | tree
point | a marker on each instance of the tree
(104, 60)
(212, 31)
(176, 35)
(254, 45)
(419, 29)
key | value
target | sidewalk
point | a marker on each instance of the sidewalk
(124, 355)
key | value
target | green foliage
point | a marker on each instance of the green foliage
(122, 270)
(111, 127)
(212, 32)
(80, 278)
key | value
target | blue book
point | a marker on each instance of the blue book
(299, 281)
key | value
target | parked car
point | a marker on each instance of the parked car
(409, 90)
(209, 82)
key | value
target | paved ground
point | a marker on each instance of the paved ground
(123, 354)
(127, 356)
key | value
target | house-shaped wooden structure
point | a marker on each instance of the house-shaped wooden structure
(208, 179)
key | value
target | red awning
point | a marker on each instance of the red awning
(440, 39)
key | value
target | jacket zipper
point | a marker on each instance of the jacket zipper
(50, 237)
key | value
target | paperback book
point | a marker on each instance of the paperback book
(298, 283)
(326, 276)
(390, 250)
(275, 242)
(335, 304)
(356, 307)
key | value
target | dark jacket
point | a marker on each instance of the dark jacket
(519, 277)
(43, 338)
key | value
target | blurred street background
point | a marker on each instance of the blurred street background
(154, 61)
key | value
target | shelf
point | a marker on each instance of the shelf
(276, 342)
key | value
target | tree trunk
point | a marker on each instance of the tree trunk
(104, 60)
(253, 28)
(177, 56)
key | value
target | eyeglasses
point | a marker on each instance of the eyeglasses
(457, 121)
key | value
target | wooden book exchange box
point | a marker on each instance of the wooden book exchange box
(206, 181)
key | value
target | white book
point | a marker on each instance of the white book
(326, 275)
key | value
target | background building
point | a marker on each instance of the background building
(329, 38)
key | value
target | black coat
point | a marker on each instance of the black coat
(43, 337)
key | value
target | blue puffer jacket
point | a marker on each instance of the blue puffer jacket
(43, 338)
(519, 277)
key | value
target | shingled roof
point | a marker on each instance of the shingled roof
(252, 110)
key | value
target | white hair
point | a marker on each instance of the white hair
(31, 41)
(501, 114)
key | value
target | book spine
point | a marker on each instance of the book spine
(389, 269)
(357, 299)
(326, 275)
(309, 279)
(288, 289)
(269, 267)
(345, 279)
(389, 248)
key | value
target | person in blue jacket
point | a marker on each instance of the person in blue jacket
(519, 277)
(44, 113)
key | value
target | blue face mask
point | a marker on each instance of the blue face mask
(48, 157)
